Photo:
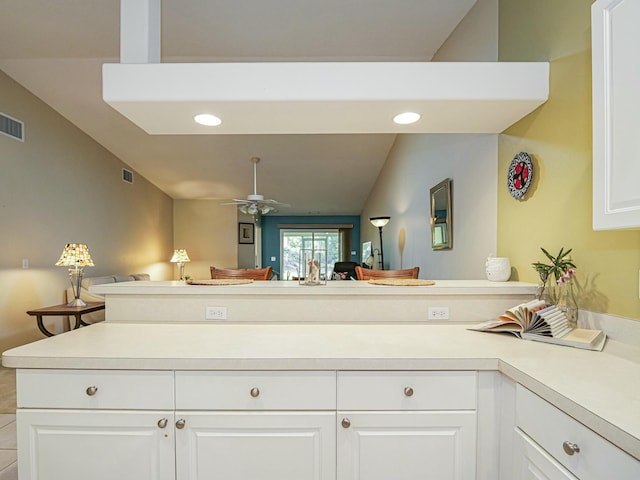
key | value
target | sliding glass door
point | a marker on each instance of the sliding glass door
(292, 241)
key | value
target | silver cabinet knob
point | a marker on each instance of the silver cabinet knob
(180, 424)
(408, 391)
(255, 391)
(162, 423)
(346, 423)
(570, 448)
(91, 391)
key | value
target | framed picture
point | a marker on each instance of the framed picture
(366, 253)
(245, 233)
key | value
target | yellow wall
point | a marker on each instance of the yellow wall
(557, 209)
(209, 233)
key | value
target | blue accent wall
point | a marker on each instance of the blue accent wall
(271, 234)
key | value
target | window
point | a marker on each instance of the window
(294, 240)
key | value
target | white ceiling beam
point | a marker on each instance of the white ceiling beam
(347, 97)
(140, 31)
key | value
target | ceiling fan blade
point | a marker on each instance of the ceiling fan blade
(275, 202)
(256, 203)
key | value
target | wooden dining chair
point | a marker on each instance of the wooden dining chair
(252, 273)
(368, 274)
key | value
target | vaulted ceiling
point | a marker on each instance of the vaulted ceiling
(57, 49)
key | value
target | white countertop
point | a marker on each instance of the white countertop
(599, 389)
(288, 288)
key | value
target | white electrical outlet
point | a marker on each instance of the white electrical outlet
(438, 313)
(216, 313)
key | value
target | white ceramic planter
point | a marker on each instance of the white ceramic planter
(498, 269)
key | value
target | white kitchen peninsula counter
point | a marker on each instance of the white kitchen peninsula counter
(288, 301)
(599, 389)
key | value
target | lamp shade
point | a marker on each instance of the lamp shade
(180, 256)
(379, 221)
(75, 255)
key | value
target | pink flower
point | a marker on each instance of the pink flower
(567, 276)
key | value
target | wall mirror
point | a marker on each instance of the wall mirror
(441, 219)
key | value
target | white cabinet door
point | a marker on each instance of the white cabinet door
(96, 445)
(616, 113)
(406, 445)
(531, 462)
(255, 445)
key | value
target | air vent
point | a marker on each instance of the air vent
(127, 176)
(11, 127)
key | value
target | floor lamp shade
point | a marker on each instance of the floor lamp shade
(380, 222)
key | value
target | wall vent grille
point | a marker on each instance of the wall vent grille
(11, 127)
(127, 176)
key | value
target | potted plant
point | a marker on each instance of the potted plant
(557, 277)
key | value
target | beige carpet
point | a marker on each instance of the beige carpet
(7, 390)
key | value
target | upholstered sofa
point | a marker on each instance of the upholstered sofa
(93, 297)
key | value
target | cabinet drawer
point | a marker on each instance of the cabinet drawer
(407, 390)
(234, 390)
(549, 427)
(95, 389)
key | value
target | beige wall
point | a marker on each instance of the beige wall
(59, 187)
(557, 211)
(209, 232)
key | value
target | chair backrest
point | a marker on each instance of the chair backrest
(254, 274)
(368, 274)
(346, 267)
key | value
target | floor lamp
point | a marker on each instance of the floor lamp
(380, 222)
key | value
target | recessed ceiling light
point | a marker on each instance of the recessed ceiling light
(207, 119)
(406, 118)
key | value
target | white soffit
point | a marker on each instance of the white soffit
(325, 97)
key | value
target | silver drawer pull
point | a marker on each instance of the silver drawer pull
(408, 391)
(162, 423)
(255, 391)
(91, 391)
(346, 423)
(180, 424)
(570, 448)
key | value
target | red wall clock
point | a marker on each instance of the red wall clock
(520, 175)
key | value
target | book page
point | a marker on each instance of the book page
(498, 326)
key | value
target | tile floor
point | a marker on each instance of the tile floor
(8, 465)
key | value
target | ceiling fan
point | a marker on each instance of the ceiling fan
(255, 203)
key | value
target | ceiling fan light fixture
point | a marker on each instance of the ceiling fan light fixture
(207, 120)
(256, 203)
(406, 118)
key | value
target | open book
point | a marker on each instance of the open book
(536, 320)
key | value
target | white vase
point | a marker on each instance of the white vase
(498, 269)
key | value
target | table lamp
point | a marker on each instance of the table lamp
(76, 256)
(180, 257)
